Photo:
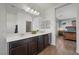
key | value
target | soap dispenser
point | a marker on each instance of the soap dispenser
(16, 28)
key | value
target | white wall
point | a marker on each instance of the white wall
(68, 11)
(50, 15)
(11, 18)
(77, 23)
(3, 43)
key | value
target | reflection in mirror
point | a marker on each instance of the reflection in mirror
(28, 26)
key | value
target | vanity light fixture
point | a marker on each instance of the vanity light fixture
(32, 11)
(37, 13)
(28, 9)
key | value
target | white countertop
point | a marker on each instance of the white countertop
(15, 37)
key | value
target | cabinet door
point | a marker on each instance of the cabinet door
(46, 40)
(40, 43)
(19, 47)
(33, 46)
(21, 50)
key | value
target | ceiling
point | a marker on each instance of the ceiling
(40, 7)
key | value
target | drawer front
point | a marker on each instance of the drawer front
(21, 50)
(15, 44)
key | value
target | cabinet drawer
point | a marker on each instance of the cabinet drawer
(21, 50)
(15, 44)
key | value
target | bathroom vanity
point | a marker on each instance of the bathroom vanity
(31, 45)
(24, 32)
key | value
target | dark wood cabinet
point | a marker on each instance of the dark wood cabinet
(46, 40)
(30, 46)
(33, 46)
(40, 43)
(70, 36)
(20, 50)
(19, 47)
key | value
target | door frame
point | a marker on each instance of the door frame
(66, 4)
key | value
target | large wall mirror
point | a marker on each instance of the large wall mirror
(16, 19)
(19, 21)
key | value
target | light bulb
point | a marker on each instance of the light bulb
(32, 11)
(38, 13)
(35, 12)
(28, 8)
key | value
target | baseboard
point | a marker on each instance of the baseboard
(52, 43)
(77, 52)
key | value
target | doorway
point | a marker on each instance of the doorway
(66, 29)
